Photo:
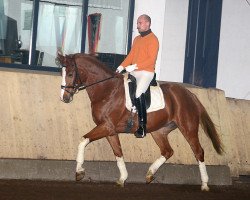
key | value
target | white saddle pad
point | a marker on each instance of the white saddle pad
(157, 98)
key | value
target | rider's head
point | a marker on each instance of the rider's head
(143, 23)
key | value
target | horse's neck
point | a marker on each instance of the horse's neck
(103, 90)
(99, 76)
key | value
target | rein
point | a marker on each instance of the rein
(85, 86)
(82, 87)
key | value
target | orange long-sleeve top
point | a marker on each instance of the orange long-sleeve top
(143, 53)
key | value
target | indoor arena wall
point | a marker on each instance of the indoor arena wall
(35, 124)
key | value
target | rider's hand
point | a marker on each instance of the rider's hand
(119, 69)
(131, 68)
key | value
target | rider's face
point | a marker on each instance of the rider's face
(142, 24)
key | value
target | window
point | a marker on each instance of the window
(59, 29)
(107, 26)
(33, 31)
(15, 30)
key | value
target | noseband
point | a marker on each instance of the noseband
(77, 87)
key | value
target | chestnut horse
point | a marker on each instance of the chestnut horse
(106, 92)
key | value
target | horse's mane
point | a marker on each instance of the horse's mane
(94, 61)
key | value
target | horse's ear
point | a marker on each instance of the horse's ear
(59, 60)
(60, 54)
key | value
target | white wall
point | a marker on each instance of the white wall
(169, 23)
(234, 54)
(156, 10)
(174, 41)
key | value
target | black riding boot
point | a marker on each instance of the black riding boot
(142, 116)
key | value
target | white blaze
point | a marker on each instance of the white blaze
(63, 81)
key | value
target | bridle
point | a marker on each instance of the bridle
(78, 87)
(75, 86)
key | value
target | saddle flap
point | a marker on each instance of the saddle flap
(154, 96)
(132, 90)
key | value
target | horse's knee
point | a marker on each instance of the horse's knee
(167, 153)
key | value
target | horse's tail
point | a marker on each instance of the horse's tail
(210, 130)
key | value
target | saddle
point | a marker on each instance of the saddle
(132, 89)
(154, 98)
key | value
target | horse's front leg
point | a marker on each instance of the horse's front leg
(116, 146)
(97, 133)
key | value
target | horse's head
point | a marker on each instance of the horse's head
(71, 80)
(81, 71)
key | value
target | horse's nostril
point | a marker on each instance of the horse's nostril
(67, 99)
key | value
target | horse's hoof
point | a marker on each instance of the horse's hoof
(149, 177)
(80, 175)
(120, 183)
(204, 188)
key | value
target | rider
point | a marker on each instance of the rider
(140, 62)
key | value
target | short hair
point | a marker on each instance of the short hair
(147, 18)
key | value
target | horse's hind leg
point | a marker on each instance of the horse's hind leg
(160, 137)
(193, 140)
(199, 155)
(116, 146)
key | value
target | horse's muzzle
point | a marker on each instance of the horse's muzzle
(67, 98)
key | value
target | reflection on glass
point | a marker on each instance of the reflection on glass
(15, 29)
(59, 29)
(107, 26)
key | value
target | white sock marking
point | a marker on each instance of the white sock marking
(122, 167)
(204, 176)
(156, 165)
(203, 171)
(80, 155)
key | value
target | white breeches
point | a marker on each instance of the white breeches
(143, 79)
